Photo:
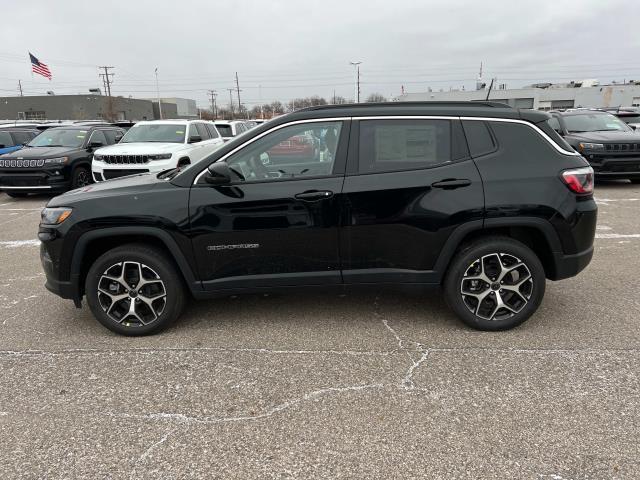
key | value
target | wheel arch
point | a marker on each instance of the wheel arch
(536, 233)
(93, 244)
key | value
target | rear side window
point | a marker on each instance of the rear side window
(224, 129)
(396, 145)
(479, 137)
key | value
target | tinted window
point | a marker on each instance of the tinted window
(224, 129)
(6, 140)
(595, 122)
(394, 145)
(22, 137)
(554, 123)
(203, 131)
(478, 137)
(98, 137)
(291, 152)
(112, 135)
(212, 131)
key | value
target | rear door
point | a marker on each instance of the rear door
(277, 223)
(410, 183)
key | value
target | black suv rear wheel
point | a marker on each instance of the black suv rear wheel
(134, 290)
(495, 283)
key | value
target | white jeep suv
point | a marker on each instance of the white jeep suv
(154, 146)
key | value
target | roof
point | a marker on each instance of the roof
(181, 121)
(462, 109)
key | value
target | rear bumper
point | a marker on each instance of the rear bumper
(567, 266)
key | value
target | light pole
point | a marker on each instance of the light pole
(357, 69)
(158, 94)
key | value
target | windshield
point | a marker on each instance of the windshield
(224, 129)
(596, 122)
(155, 132)
(59, 137)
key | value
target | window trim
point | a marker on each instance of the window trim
(354, 119)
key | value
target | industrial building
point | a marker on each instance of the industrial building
(543, 96)
(87, 107)
(185, 107)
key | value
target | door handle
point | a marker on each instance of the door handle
(314, 195)
(451, 183)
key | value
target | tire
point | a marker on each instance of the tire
(158, 303)
(17, 194)
(479, 307)
(81, 177)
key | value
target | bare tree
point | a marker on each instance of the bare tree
(376, 97)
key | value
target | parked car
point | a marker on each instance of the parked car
(230, 128)
(610, 146)
(629, 115)
(155, 146)
(487, 202)
(14, 138)
(56, 160)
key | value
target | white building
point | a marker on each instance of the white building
(185, 106)
(544, 96)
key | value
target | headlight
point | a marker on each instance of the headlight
(590, 146)
(54, 216)
(160, 156)
(97, 157)
(56, 161)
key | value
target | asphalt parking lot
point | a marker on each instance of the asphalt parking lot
(322, 386)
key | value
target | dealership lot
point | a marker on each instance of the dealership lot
(364, 385)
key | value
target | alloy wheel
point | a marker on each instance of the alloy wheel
(496, 286)
(82, 180)
(132, 294)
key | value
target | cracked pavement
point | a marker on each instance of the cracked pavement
(368, 385)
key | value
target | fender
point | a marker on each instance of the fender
(458, 235)
(192, 282)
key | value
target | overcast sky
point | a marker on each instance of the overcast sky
(288, 48)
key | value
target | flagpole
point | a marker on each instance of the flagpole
(158, 93)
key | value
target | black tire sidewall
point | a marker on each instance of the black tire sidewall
(478, 249)
(154, 260)
(76, 173)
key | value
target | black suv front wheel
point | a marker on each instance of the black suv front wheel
(495, 283)
(134, 290)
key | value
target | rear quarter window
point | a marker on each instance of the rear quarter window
(479, 137)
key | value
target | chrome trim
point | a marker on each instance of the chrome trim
(278, 127)
(2, 187)
(398, 117)
(529, 124)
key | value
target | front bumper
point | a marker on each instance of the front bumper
(64, 289)
(615, 166)
(34, 180)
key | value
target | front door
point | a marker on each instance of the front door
(410, 183)
(277, 223)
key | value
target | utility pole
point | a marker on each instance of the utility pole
(20, 87)
(107, 79)
(357, 68)
(213, 94)
(238, 90)
(158, 95)
(231, 100)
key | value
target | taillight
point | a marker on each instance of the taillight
(579, 180)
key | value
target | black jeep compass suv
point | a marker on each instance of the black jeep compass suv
(58, 159)
(484, 200)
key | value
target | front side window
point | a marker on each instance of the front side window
(594, 122)
(554, 123)
(202, 131)
(60, 137)
(212, 131)
(98, 137)
(22, 137)
(155, 132)
(396, 145)
(305, 150)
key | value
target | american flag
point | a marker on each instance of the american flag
(40, 68)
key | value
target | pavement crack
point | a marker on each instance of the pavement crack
(407, 381)
(148, 451)
(310, 396)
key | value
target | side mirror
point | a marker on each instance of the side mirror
(633, 126)
(219, 173)
(93, 145)
(1, 145)
(118, 138)
(195, 139)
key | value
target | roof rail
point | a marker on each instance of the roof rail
(472, 103)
